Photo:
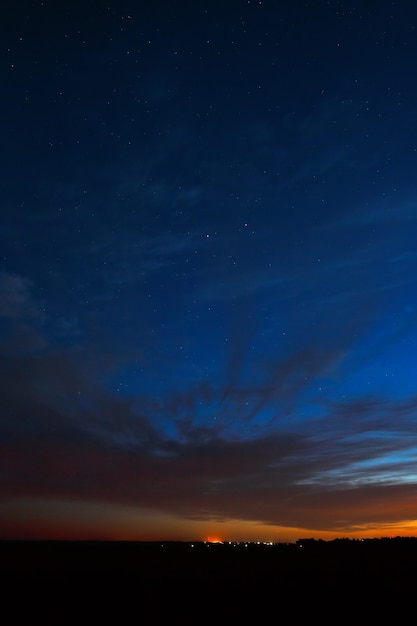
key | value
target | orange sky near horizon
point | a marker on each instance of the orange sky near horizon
(74, 520)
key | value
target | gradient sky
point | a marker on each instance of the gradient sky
(208, 269)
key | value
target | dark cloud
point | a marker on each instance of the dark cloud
(64, 436)
(16, 299)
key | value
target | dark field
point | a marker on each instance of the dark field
(155, 583)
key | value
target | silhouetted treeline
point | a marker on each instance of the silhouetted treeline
(104, 579)
(165, 559)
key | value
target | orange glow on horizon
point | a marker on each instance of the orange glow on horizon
(28, 518)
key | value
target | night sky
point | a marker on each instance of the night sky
(208, 269)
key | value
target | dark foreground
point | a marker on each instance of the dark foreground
(154, 583)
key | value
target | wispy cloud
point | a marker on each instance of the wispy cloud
(64, 436)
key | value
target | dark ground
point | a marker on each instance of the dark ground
(92, 583)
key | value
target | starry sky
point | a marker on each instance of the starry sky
(208, 268)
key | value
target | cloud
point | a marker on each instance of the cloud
(261, 479)
(255, 441)
(383, 215)
(64, 436)
(16, 299)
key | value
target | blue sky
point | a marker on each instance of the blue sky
(208, 269)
